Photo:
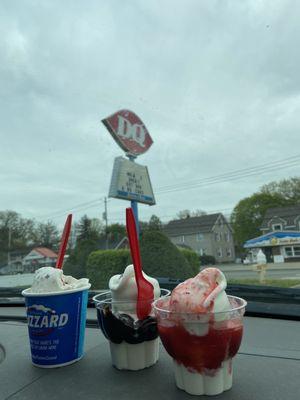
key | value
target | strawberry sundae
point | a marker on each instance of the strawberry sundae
(201, 328)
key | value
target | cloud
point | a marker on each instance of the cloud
(216, 83)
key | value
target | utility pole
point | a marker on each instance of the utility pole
(9, 246)
(134, 204)
(106, 223)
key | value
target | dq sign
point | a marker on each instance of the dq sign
(129, 132)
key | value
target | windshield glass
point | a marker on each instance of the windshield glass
(206, 151)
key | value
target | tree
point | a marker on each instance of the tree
(88, 228)
(116, 232)
(184, 214)
(289, 189)
(187, 213)
(89, 232)
(15, 233)
(47, 235)
(248, 214)
(154, 224)
(21, 229)
(77, 261)
(198, 213)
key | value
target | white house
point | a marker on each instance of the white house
(39, 257)
(280, 241)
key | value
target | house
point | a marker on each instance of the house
(281, 219)
(11, 269)
(14, 264)
(206, 235)
(280, 239)
(37, 258)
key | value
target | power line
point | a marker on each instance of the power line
(78, 207)
(228, 174)
(214, 181)
(231, 176)
(217, 179)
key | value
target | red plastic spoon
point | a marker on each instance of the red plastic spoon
(145, 294)
(64, 242)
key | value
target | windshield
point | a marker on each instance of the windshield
(206, 151)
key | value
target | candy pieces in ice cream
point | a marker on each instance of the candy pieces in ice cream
(134, 343)
(202, 294)
(123, 287)
(49, 280)
(201, 328)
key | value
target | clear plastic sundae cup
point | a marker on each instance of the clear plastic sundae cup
(134, 343)
(202, 345)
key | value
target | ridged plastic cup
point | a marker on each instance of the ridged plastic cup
(56, 326)
(202, 345)
(134, 344)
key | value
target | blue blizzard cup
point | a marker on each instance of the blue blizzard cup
(56, 326)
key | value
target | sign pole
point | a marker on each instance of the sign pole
(131, 134)
(134, 204)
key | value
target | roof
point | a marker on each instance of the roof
(44, 251)
(288, 213)
(190, 225)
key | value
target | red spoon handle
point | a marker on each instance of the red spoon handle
(64, 242)
(134, 243)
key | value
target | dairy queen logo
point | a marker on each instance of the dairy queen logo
(43, 320)
(129, 132)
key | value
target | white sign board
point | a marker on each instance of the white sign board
(131, 181)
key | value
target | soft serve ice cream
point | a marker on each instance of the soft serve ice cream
(133, 343)
(49, 280)
(202, 294)
(123, 288)
(201, 331)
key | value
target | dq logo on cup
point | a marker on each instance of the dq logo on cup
(56, 325)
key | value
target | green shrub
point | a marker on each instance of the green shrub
(207, 260)
(161, 258)
(102, 264)
(193, 259)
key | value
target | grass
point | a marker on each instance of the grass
(284, 283)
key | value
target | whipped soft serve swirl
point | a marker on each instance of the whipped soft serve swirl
(202, 294)
(123, 287)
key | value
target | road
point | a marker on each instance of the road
(274, 271)
(231, 271)
(271, 274)
(16, 280)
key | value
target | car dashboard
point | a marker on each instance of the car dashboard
(266, 367)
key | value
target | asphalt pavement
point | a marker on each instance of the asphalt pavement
(231, 271)
(273, 271)
(270, 274)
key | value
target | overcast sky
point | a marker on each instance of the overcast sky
(217, 84)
